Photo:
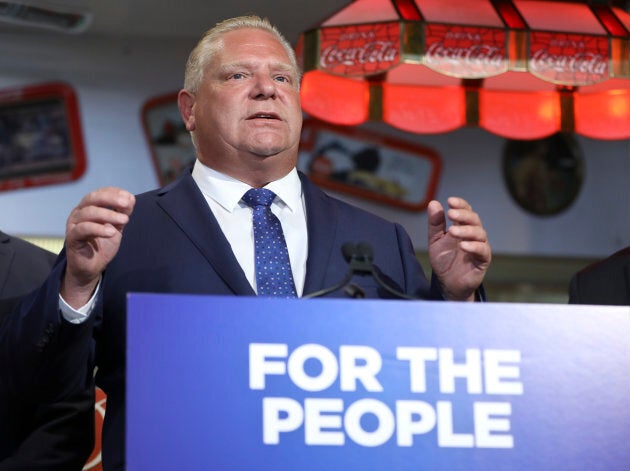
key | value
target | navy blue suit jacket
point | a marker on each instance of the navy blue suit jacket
(173, 244)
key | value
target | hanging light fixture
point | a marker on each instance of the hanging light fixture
(522, 69)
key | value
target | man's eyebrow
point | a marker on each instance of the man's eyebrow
(278, 66)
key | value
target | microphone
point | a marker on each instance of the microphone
(360, 258)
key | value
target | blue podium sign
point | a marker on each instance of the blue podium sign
(243, 383)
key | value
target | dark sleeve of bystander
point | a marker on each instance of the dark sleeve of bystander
(37, 433)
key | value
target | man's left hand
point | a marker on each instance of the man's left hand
(461, 254)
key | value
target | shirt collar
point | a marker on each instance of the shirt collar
(228, 191)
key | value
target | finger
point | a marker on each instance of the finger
(90, 230)
(455, 202)
(480, 250)
(468, 232)
(436, 218)
(109, 197)
(98, 215)
(464, 217)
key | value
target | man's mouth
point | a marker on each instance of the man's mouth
(264, 116)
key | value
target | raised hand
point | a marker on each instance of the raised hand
(460, 254)
(93, 233)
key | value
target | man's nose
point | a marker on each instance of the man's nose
(264, 87)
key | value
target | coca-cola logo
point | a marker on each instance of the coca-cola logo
(570, 59)
(465, 51)
(580, 63)
(370, 52)
(482, 57)
(360, 49)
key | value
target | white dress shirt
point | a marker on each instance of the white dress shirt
(224, 193)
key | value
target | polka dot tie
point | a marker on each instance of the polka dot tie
(273, 268)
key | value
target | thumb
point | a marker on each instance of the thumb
(437, 220)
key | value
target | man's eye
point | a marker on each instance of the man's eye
(237, 76)
(282, 78)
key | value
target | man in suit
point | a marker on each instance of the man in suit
(241, 104)
(604, 282)
(37, 431)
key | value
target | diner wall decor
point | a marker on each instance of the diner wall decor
(170, 143)
(40, 136)
(544, 176)
(369, 165)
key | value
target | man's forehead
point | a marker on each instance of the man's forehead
(255, 64)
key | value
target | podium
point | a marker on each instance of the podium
(243, 383)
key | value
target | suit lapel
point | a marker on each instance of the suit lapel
(186, 206)
(321, 222)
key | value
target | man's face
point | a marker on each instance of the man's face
(247, 109)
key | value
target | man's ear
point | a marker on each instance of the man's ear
(186, 102)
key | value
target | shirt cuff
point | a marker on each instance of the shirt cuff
(78, 316)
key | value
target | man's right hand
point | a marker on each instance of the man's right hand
(93, 233)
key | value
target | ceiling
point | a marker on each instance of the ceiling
(189, 18)
(181, 18)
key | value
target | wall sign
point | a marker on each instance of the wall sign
(171, 147)
(369, 165)
(40, 136)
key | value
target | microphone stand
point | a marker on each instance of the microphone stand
(360, 259)
(366, 254)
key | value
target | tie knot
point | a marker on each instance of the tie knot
(259, 197)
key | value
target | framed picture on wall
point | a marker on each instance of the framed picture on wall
(369, 165)
(170, 143)
(544, 176)
(40, 136)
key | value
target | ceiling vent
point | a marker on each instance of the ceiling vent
(45, 15)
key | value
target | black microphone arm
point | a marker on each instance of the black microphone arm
(338, 286)
(360, 258)
(366, 255)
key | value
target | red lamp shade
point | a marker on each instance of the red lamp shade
(424, 109)
(522, 69)
(342, 101)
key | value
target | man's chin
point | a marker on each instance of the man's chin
(268, 150)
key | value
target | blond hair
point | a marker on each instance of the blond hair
(210, 43)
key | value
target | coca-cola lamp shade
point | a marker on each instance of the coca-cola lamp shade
(522, 69)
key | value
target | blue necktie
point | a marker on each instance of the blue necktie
(273, 268)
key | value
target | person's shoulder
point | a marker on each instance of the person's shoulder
(612, 262)
(606, 281)
(622, 254)
(26, 251)
(604, 274)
